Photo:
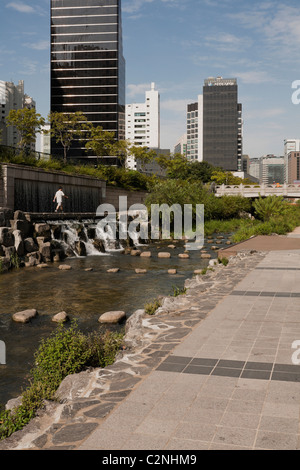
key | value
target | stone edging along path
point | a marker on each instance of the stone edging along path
(85, 399)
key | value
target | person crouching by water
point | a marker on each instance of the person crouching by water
(59, 198)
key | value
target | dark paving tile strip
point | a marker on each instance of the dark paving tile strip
(231, 368)
(278, 269)
(264, 294)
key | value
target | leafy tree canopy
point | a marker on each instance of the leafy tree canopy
(28, 123)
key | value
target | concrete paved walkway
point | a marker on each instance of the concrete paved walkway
(233, 383)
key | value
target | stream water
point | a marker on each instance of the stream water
(84, 295)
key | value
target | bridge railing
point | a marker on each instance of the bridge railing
(255, 190)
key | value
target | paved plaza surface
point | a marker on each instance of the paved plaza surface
(232, 383)
(217, 370)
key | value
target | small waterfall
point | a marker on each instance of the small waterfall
(89, 238)
(106, 234)
(75, 238)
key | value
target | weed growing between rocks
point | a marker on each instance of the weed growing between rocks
(151, 307)
(67, 351)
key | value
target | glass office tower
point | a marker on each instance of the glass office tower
(87, 65)
(222, 131)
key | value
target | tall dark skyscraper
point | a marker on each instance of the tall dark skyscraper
(87, 65)
(222, 123)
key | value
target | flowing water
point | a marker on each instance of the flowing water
(84, 295)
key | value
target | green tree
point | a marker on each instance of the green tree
(201, 171)
(67, 127)
(101, 142)
(28, 123)
(143, 155)
(120, 149)
(176, 165)
(225, 177)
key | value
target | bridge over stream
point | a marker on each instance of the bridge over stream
(256, 190)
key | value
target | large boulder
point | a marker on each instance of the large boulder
(6, 237)
(5, 216)
(80, 248)
(5, 264)
(19, 243)
(30, 245)
(45, 250)
(42, 230)
(20, 215)
(33, 259)
(24, 226)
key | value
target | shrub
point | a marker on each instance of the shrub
(268, 207)
(66, 351)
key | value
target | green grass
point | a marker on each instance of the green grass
(225, 226)
(151, 307)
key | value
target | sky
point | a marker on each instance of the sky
(178, 44)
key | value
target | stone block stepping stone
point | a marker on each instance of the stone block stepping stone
(164, 254)
(113, 270)
(64, 267)
(112, 317)
(135, 252)
(183, 255)
(60, 317)
(172, 271)
(146, 254)
(205, 256)
(140, 271)
(25, 316)
(42, 265)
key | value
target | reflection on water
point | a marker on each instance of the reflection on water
(84, 295)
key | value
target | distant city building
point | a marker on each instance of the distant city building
(194, 144)
(222, 123)
(143, 120)
(181, 145)
(143, 123)
(45, 140)
(87, 65)
(245, 164)
(215, 125)
(12, 97)
(290, 145)
(271, 169)
(254, 165)
(294, 167)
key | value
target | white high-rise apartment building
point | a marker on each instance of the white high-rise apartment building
(194, 146)
(12, 97)
(290, 145)
(143, 122)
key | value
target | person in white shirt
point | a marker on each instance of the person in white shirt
(59, 198)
